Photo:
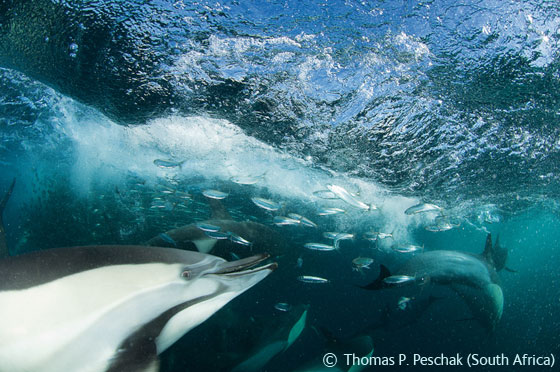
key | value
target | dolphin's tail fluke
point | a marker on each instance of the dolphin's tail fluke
(3, 246)
(379, 283)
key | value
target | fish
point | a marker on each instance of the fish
(395, 280)
(302, 220)
(473, 276)
(342, 236)
(207, 227)
(312, 279)
(344, 195)
(267, 204)
(215, 194)
(325, 194)
(285, 221)
(330, 234)
(319, 247)
(299, 262)
(403, 303)
(329, 211)
(283, 306)
(238, 240)
(407, 248)
(167, 164)
(168, 239)
(246, 180)
(374, 235)
(218, 235)
(423, 208)
(86, 296)
(360, 263)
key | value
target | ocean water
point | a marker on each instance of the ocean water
(455, 104)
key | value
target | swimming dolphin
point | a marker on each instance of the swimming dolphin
(110, 308)
(262, 237)
(4, 252)
(472, 276)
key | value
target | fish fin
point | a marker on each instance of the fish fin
(488, 253)
(379, 283)
(219, 212)
(509, 270)
(205, 245)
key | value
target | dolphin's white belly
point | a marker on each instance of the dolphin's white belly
(77, 322)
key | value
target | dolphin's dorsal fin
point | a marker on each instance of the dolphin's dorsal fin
(379, 283)
(488, 254)
(219, 212)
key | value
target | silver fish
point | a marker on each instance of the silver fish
(325, 194)
(168, 163)
(423, 208)
(267, 204)
(329, 211)
(342, 236)
(403, 302)
(238, 240)
(319, 247)
(360, 263)
(284, 221)
(207, 227)
(283, 306)
(295, 216)
(344, 195)
(330, 234)
(399, 279)
(312, 279)
(246, 180)
(374, 235)
(407, 248)
(218, 235)
(215, 194)
(307, 222)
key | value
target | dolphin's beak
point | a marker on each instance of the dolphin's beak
(242, 267)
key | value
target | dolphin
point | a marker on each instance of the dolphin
(4, 252)
(262, 237)
(110, 308)
(474, 277)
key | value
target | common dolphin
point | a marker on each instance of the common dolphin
(4, 251)
(110, 308)
(472, 276)
(262, 237)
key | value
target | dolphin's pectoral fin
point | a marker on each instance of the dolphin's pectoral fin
(205, 245)
(379, 283)
(486, 303)
(136, 355)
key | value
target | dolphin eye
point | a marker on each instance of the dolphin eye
(186, 274)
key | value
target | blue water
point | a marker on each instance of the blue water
(399, 102)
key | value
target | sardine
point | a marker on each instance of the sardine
(267, 204)
(423, 208)
(168, 163)
(344, 195)
(319, 247)
(312, 279)
(215, 194)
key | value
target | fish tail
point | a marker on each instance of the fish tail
(379, 283)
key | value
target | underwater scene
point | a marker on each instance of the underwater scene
(279, 185)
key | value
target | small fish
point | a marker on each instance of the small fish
(403, 302)
(342, 236)
(246, 180)
(330, 234)
(399, 279)
(312, 279)
(299, 262)
(439, 227)
(360, 263)
(238, 240)
(267, 204)
(319, 247)
(407, 248)
(374, 235)
(207, 227)
(423, 208)
(325, 194)
(166, 238)
(283, 306)
(218, 235)
(329, 211)
(307, 222)
(284, 221)
(344, 195)
(215, 194)
(168, 163)
(295, 216)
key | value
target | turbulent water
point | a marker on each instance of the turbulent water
(456, 104)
